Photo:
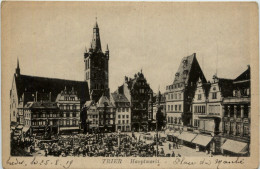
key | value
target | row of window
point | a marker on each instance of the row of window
(107, 122)
(240, 111)
(69, 122)
(87, 64)
(71, 114)
(174, 120)
(68, 107)
(123, 109)
(69, 98)
(200, 109)
(236, 128)
(123, 121)
(93, 116)
(27, 122)
(123, 116)
(176, 107)
(172, 96)
(44, 122)
(242, 92)
(174, 86)
(43, 115)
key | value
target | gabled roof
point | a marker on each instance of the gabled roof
(188, 65)
(119, 97)
(104, 101)
(182, 75)
(244, 76)
(42, 105)
(226, 87)
(25, 83)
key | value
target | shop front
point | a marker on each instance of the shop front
(235, 148)
(204, 143)
(186, 138)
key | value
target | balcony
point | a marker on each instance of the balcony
(236, 100)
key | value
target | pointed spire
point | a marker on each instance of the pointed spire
(96, 24)
(107, 48)
(17, 70)
(96, 44)
(18, 63)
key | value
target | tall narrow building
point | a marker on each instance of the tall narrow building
(181, 91)
(96, 67)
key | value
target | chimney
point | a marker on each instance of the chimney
(126, 79)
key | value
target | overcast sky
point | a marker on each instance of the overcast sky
(50, 39)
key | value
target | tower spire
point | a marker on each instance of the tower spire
(96, 44)
(17, 70)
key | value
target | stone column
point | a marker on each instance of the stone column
(242, 111)
(249, 111)
(235, 111)
(228, 111)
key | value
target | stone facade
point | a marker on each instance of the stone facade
(179, 95)
(123, 112)
(96, 67)
(69, 105)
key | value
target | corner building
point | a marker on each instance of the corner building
(180, 93)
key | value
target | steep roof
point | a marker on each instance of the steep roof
(25, 83)
(119, 97)
(244, 76)
(104, 100)
(182, 75)
(226, 86)
(189, 69)
(42, 105)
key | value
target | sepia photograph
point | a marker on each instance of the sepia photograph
(129, 80)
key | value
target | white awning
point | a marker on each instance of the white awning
(25, 129)
(235, 146)
(69, 128)
(186, 136)
(202, 140)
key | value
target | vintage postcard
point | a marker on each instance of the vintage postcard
(130, 85)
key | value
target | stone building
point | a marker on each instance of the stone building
(27, 88)
(236, 117)
(96, 67)
(42, 118)
(158, 104)
(69, 105)
(123, 112)
(92, 116)
(180, 93)
(138, 92)
(106, 115)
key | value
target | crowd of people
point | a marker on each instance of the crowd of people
(96, 145)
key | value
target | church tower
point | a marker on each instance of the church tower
(96, 67)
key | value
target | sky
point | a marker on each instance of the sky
(50, 38)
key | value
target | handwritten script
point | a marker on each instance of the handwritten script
(15, 161)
